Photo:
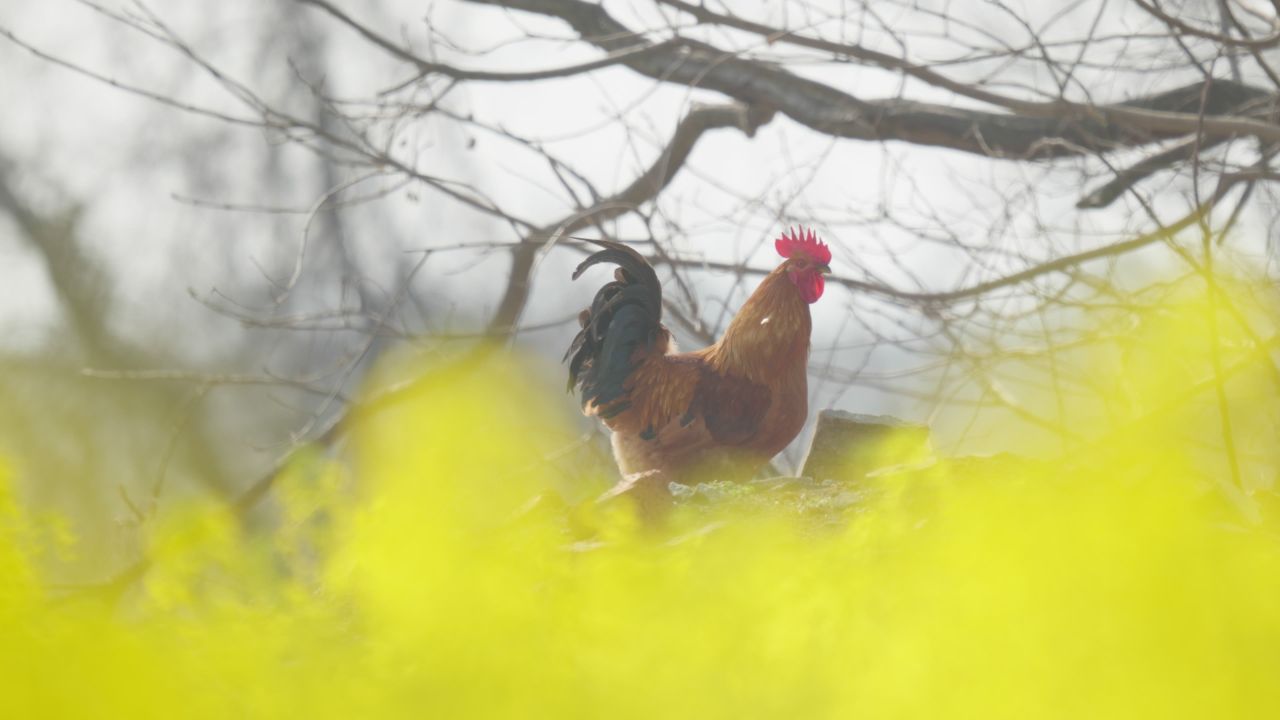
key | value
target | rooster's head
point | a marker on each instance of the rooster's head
(807, 261)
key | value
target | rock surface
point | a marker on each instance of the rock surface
(846, 446)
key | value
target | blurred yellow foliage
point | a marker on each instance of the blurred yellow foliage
(426, 579)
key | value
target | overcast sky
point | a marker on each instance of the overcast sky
(135, 166)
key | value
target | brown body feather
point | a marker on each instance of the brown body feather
(725, 410)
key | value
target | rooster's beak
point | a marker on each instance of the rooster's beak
(824, 269)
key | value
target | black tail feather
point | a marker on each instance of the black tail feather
(625, 316)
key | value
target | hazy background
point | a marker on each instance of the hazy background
(214, 217)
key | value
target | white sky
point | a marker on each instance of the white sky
(126, 158)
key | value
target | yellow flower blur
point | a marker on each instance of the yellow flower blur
(432, 574)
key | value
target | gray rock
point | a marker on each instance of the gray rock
(846, 446)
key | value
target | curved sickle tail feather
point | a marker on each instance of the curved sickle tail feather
(624, 317)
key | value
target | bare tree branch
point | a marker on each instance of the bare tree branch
(1040, 130)
(643, 189)
(426, 67)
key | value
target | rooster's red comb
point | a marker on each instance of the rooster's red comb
(804, 240)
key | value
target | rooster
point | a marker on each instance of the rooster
(717, 413)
